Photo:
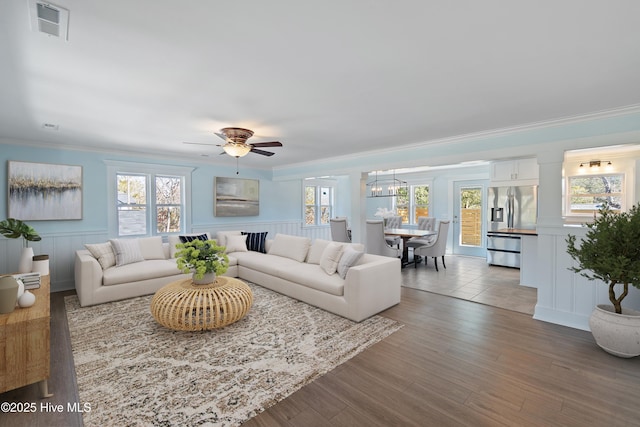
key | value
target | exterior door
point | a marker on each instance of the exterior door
(469, 218)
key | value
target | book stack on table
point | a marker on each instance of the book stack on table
(30, 280)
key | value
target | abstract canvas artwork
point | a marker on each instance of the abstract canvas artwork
(42, 191)
(236, 197)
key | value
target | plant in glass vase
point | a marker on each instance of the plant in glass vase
(204, 258)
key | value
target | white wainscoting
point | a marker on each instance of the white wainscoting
(61, 247)
(565, 297)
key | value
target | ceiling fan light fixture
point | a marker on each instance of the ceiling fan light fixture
(236, 149)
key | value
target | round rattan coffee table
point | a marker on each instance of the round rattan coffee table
(184, 306)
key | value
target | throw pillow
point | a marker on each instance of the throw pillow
(236, 244)
(151, 247)
(127, 251)
(349, 258)
(315, 252)
(191, 238)
(103, 252)
(256, 241)
(221, 236)
(330, 257)
(294, 247)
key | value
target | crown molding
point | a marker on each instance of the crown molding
(563, 121)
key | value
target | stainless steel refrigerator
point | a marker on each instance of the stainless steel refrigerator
(510, 209)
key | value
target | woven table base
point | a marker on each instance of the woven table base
(184, 306)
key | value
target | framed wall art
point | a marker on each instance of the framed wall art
(236, 197)
(42, 191)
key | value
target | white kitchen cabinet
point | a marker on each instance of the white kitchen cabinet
(514, 172)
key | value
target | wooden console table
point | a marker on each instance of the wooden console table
(25, 344)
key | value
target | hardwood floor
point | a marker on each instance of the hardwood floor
(454, 363)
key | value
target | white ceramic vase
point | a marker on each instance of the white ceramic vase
(617, 334)
(26, 260)
(207, 279)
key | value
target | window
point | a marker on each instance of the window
(411, 206)
(588, 193)
(147, 202)
(318, 202)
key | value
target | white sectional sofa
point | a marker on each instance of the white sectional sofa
(318, 273)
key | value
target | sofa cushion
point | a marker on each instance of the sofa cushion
(151, 269)
(257, 241)
(265, 263)
(350, 257)
(127, 251)
(330, 257)
(103, 252)
(315, 251)
(313, 276)
(151, 247)
(221, 236)
(236, 244)
(293, 247)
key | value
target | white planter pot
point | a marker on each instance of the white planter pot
(617, 334)
(26, 260)
(206, 279)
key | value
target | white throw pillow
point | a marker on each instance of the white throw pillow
(294, 247)
(103, 252)
(127, 251)
(348, 259)
(151, 247)
(221, 236)
(315, 252)
(330, 257)
(236, 244)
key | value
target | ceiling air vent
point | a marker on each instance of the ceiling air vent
(49, 19)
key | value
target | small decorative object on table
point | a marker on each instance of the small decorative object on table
(12, 228)
(204, 258)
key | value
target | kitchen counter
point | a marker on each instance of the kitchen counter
(520, 231)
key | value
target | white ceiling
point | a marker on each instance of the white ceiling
(324, 77)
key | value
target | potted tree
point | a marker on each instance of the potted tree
(203, 258)
(610, 252)
(14, 228)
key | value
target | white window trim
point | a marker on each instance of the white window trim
(417, 183)
(316, 182)
(571, 217)
(115, 167)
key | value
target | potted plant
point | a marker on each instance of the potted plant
(14, 228)
(610, 252)
(204, 258)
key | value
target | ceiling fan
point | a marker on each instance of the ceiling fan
(236, 143)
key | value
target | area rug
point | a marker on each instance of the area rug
(133, 371)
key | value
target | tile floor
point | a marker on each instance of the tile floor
(472, 279)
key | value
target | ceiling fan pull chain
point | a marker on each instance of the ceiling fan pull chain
(237, 165)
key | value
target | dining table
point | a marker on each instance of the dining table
(405, 234)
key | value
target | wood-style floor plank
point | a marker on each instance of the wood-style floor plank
(454, 363)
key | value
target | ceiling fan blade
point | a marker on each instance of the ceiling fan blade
(267, 144)
(264, 153)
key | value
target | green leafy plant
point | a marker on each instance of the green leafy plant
(200, 257)
(12, 228)
(610, 251)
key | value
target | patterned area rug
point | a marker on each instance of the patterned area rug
(135, 372)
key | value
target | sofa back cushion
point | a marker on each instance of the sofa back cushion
(315, 251)
(103, 252)
(151, 247)
(293, 247)
(127, 251)
(221, 236)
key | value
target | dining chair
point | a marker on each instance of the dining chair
(339, 230)
(376, 243)
(436, 248)
(427, 223)
(393, 222)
